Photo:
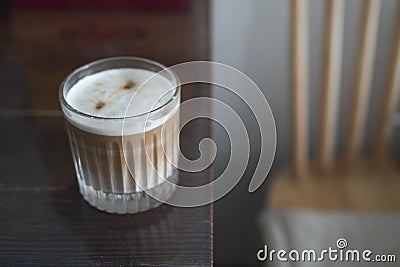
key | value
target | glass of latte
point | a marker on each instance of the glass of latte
(122, 117)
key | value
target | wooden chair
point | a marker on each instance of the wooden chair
(349, 182)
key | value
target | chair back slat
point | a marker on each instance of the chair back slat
(300, 86)
(331, 83)
(364, 72)
(390, 97)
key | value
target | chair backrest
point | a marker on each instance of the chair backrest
(332, 62)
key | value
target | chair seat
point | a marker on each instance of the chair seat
(359, 188)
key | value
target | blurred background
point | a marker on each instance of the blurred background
(256, 37)
(41, 41)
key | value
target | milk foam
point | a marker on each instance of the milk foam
(108, 93)
(114, 88)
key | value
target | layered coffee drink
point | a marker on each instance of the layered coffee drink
(122, 119)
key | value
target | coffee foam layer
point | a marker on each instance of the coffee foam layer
(107, 94)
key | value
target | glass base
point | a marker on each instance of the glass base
(123, 203)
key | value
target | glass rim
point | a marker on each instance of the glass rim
(64, 103)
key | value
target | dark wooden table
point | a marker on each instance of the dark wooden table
(44, 220)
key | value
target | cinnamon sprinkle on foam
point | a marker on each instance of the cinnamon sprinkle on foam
(129, 85)
(100, 105)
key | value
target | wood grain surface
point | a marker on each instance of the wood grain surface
(44, 219)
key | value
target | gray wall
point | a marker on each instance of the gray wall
(253, 36)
